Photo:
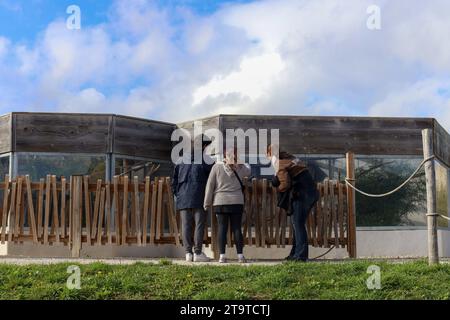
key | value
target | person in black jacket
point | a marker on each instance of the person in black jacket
(188, 184)
(298, 201)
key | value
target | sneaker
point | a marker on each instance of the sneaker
(201, 257)
(242, 259)
(222, 260)
(189, 257)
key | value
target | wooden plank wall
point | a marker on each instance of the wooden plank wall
(103, 133)
(89, 133)
(59, 132)
(361, 135)
(143, 138)
(5, 133)
(441, 141)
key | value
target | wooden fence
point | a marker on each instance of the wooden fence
(77, 212)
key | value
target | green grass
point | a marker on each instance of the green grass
(412, 280)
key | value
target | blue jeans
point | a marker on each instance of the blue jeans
(300, 240)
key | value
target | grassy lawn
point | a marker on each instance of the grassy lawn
(412, 280)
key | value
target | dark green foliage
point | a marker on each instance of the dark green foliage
(380, 177)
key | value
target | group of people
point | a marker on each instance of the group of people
(200, 187)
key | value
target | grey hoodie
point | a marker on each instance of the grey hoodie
(223, 187)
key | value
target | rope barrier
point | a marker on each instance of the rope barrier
(438, 215)
(347, 181)
(315, 258)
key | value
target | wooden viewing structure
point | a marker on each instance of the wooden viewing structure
(78, 212)
(32, 142)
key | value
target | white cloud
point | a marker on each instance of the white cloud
(270, 56)
(425, 98)
(87, 100)
(254, 78)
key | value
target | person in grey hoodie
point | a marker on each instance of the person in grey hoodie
(224, 192)
(188, 185)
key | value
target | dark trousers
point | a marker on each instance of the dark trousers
(188, 217)
(300, 240)
(236, 224)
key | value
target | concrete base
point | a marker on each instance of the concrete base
(94, 251)
(399, 243)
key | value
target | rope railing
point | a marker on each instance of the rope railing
(371, 195)
(347, 181)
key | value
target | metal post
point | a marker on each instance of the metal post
(13, 165)
(430, 175)
(109, 167)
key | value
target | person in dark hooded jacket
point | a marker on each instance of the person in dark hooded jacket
(188, 185)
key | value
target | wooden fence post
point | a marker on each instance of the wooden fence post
(75, 231)
(351, 222)
(430, 175)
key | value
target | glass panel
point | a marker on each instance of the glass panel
(4, 170)
(331, 167)
(379, 175)
(442, 194)
(39, 165)
(320, 167)
(258, 169)
(4, 167)
(141, 168)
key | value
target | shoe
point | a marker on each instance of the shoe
(189, 257)
(289, 258)
(222, 260)
(201, 257)
(242, 260)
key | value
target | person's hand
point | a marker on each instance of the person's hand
(206, 207)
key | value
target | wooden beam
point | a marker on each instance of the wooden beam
(76, 216)
(351, 222)
(31, 209)
(430, 176)
(137, 211)
(5, 207)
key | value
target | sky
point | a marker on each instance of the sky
(181, 60)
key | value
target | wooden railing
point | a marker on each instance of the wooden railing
(77, 212)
